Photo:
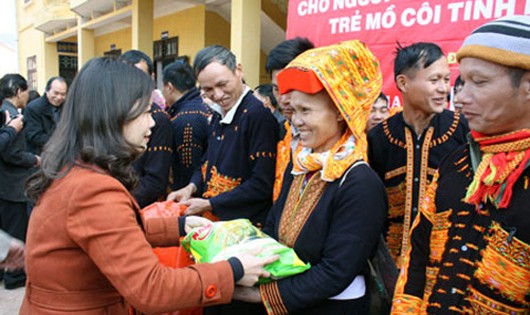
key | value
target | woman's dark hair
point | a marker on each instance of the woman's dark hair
(10, 84)
(104, 96)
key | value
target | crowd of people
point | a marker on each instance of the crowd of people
(316, 159)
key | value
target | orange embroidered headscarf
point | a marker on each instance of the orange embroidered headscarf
(350, 74)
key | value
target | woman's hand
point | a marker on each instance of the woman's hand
(194, 221)
(253, 267)
(250, 295)
(182, 194)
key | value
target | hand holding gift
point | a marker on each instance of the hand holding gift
(226, 239)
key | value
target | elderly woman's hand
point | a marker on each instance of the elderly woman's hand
(245, 294)
(254, 267)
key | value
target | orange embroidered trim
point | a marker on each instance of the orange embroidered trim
(220, 183)
(505, 266)
(407, 304)
(160, 149)
(204, 167)
(299, 207)
(439, 235)
(484, 305)
(270, 295)
(409, 182)
(191, 112)
(395, 172)
(456, 309)
(428, 206)
(443, 138)
(282, 160)
(430, 279)
(391, 138)
(262, 154)
(393, 239)
(396, 201)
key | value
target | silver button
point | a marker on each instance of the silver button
(416, 179)
(417, 146)
(218, 138)
(464, 248)
(453, 290)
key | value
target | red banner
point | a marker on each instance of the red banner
(383, 23)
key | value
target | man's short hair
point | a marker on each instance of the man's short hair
(280, 56)
(134, 57)
(266, 90)
(50, 82)
(416, 56)
(180, 75)
(382, 96)
(214, 53)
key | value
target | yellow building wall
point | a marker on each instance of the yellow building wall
(217, 30)
(188, 25)
(264, 76)
(25, 51)
(121, 38)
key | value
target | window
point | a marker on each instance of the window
(31, 64)
(68, 68)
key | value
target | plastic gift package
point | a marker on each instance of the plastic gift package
(225, 239)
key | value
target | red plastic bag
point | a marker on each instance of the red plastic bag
(175, 256)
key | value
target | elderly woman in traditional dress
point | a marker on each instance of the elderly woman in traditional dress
(332, 208)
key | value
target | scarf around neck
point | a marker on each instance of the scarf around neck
(504, 158)
(332, 163)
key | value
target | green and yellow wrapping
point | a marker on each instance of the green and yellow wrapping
(225, 239)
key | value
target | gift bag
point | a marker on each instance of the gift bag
(225, 239)
(175, 256)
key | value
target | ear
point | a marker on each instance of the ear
(401, 82)
(339, 116)
(239, 70)
(170, 87)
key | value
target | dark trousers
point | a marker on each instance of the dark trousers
(14, 221)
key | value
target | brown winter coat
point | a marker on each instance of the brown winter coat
(87, 254)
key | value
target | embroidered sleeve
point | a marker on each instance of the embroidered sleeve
(270, 295)
(407, 304)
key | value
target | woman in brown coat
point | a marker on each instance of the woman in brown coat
(88, 251)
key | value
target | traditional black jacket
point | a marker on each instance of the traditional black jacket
(406, 163)
(463, 259)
